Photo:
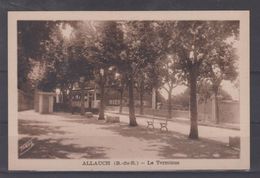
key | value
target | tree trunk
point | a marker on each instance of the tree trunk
(170, 104)
(82, 101)
(156, 98)
(70, 101)
(216, 106)
(141, 100)
(141, 104)
(193, 103)
(204, 110)
(132, 119)
(121, 101)
(102, 100)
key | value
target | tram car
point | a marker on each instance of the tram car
(91, 100)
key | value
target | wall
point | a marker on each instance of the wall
(46, 100)
(150, 111)
(113, 98)
(25, 101)
(228, 111)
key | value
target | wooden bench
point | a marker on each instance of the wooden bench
(89, 114)
(164, 125)
(150, 123)
(112, 119)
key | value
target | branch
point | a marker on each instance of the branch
(174, 86)
(169, 84)
(165, 88)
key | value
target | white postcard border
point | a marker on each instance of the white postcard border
(76, 165)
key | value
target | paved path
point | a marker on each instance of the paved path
(209, 132)
(66, 136)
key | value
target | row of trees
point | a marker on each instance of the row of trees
(128, 54)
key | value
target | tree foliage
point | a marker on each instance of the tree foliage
(146, 54)
(32, 37)
(194, 43)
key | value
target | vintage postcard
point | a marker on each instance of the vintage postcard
(128, 90)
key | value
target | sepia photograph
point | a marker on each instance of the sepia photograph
(128, 91)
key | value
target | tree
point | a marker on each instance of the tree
(170, 78)
(43, 51)
(119, 84)
(88, 57)
(54, 59)
(221, 65)
(112, 45)
(143, 84)
(224, 95)
(193, 43)
(101, 79)
(32, 36)
(155, 82)
(121, 88)
(83, 70)
(106, 45)
(204, 92)
(68, 60)
(141, 49)
(181, 101)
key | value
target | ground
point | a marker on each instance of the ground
(66, 136)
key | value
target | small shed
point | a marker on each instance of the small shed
(44, 102)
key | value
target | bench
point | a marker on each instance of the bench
(150, 123)
(112, 119)
(89, 114)
(164, 125)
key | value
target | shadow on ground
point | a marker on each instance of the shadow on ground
(167, 145)
(171, 145)
(54, 149)
(36, 128)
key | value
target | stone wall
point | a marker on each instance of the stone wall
(228, 111)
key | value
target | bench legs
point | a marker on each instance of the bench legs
(163, 127)
(150, 123)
